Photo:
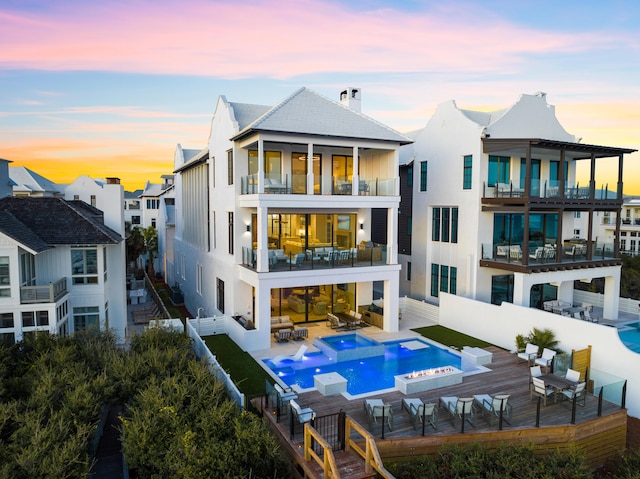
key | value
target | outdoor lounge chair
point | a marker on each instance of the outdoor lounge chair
(490, 406)
(282, 336)
(335, 322)
(529, 354)
(459, 408)
(419, 411)
(540, 389)
(579, 393)
(546, 360)
(588, 317)
(300, 414)
(300, 334)
(283, 395)
(375, 409)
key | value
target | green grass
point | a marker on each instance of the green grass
(246, 373)
(449, 337)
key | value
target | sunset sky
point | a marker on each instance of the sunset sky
(108, 88)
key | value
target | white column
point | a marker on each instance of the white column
(262, 318)
(263, 241)
(310, 169)
(519, 295)
(391, 305)
(611, 296)
(260, 166)
(355, 180)
(392, 235)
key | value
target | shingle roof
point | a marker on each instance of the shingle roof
(308, 112)
(10, 226)
(58, 222)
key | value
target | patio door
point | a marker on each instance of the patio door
(534, 181)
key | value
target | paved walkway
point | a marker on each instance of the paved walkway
(109, 456)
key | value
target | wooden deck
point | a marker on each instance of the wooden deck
(505, 376)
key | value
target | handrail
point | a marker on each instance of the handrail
(329, 465)
(370, 455)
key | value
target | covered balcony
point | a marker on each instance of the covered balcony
(544, 172)
(48, 293)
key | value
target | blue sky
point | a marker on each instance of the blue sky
(109, 88)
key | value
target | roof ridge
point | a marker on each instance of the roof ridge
(274, 109)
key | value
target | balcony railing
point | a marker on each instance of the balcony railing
(547, 253)
(49, 293)
(338, 185)
(319, 258)
(547, 189)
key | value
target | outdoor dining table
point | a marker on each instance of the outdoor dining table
(347, 318)
(558, 383)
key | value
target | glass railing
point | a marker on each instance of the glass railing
(319, 258)
(297, 184)
(547, 252)
(611, 387)
(547, 189)
(48, 293)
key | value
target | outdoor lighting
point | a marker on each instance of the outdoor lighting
(361, 226)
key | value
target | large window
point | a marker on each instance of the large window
(467, 170)
(499, 170)
(444, 224)
(423, 176)
(443, 278)
(5, 277)
(502, 289)
(84, 266)
(27, 270)
(6, 320)
(153, 204)
(85, 317)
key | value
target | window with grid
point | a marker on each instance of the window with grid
(85, 317)
(230, 167)
(423, 176)
(230, 232)
(5, 277)
(435, 276)
(467, 169)
(84, 266)
(435, 224)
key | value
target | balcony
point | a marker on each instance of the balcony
(320, 258)
(290, 184)
(548, 191)
(546, 257)
(49, 293)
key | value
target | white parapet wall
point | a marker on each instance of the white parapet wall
(499, 325)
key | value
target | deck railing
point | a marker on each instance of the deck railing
(48, 293)
(370, 452)
(325, 459)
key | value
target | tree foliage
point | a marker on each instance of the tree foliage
(178, 420)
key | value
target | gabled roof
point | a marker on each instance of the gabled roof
(27, 180)
(246, 113)
(132, 195)
(308, 112)
(56, 221)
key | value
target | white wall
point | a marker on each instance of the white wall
(500, 325)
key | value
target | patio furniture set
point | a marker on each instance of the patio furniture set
(546, 386)
(297, 334)
(582, 312)
(345, 321)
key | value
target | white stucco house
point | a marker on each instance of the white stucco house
(61, 267)
(273, 217)
(496, 201)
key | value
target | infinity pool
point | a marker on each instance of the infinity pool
(631, 337)
(367, 374)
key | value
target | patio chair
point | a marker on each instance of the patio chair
(540, 389)
(537, 254)
(300, 414)
(546, 360)
(534, 372)
(300, 334)
(588, 317)
(282, 336)
(579, 392)
(335, 322)
(529, 354)
(376, 409)
(419, 411)
(297, 259)
(572, 375)
(283, 395)
(459, 408)
(490, 406)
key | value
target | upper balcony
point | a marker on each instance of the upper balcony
(291, 184)
(49, 293)
(548, 256)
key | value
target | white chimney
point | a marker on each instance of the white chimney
(351, 98)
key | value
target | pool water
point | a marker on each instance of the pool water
(346, 347)
(631, 336)
(367, 374)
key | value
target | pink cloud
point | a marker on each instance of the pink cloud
(268, 38)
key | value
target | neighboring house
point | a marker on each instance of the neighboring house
(150, 200)
(274, 218)
(6, 184)
(164, 263)
(61, 268)
(605, 224)
(499, 201)
(133, 208)
(29, 183)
